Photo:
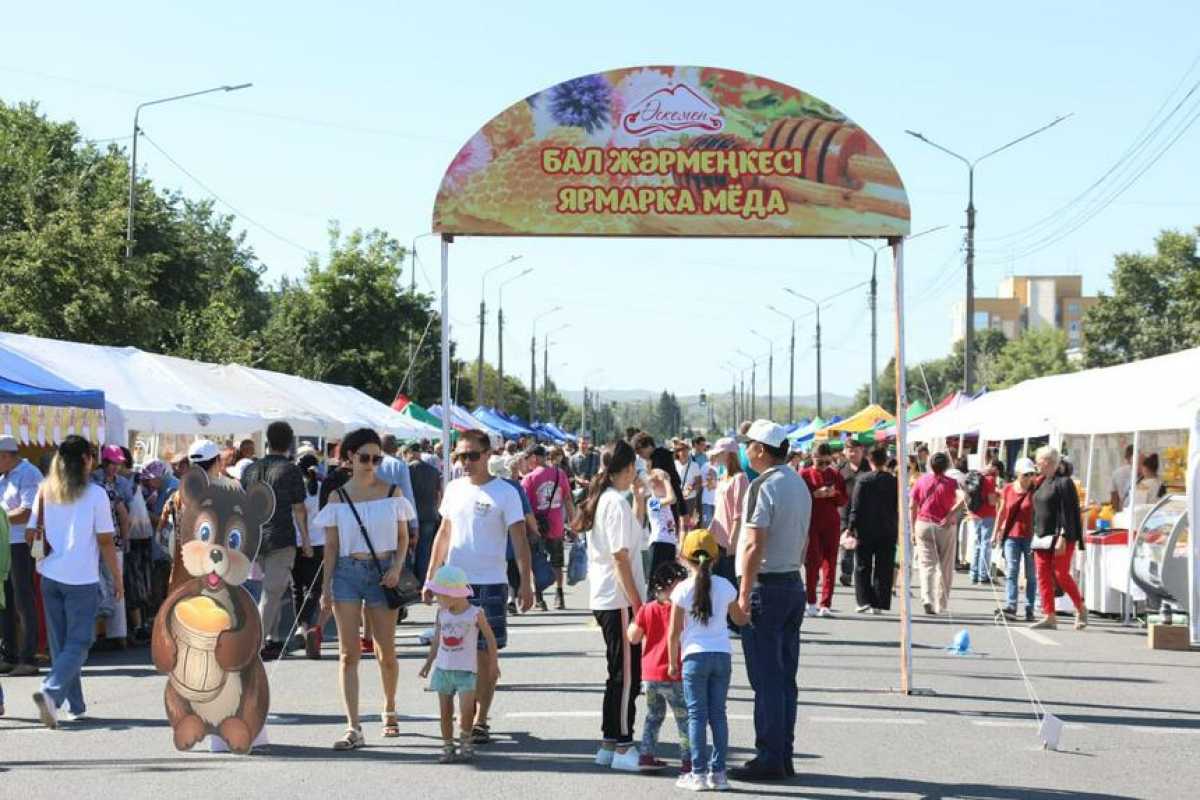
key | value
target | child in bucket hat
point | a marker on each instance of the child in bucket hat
(452, 657)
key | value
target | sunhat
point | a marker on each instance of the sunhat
(726, 444)
(450, 581)
(700, 542)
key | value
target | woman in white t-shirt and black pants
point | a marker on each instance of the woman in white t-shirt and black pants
(615, 582)
(73, 521)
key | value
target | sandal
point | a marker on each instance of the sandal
(467, 748)
(391, 728)
(481, 734)
(352, 739)
(449, 754)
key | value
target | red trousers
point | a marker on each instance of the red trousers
(821, 558)
(1055, 569)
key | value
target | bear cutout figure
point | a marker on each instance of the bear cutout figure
(208, 633)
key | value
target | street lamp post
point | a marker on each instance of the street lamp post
(873, 302)
(817, 306)
(753, 382)
(483, 323)
(583, 410)
(533, 364)
(546, 358)
(500, 335)
(791, 364)
(133, 152)
(733, 395)
(770, 374)
(969, 332)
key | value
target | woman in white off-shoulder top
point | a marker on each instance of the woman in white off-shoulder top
(354, 579)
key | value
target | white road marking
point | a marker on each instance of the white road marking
(868, 720)
(1019, 723)
(1034, 636)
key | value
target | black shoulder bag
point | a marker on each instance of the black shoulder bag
(408, 590)
(543, 517)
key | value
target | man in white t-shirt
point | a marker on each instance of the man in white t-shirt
(480, 514)
(1121, 477)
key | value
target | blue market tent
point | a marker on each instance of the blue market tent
(497, 422)
(17, 393)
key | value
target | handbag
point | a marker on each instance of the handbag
(39, 546)
(408, 590)
(543, 573)
(848, 541)
(577, 563)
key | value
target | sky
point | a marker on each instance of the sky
(356, 111)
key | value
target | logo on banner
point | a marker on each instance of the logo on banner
(672, 110)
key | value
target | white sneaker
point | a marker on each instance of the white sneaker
(862, 609)
(47, 711)
(425, 637)
(629, 761)
(604, 757)
(693, 782)
(73, 717)
(825, 611)
(717, 782)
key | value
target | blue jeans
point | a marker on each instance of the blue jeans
(771, 645)
(70, 627)
(981, 567)
(706, 514)
(705, 687)
(1017, 551)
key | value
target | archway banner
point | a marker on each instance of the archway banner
(671, 151)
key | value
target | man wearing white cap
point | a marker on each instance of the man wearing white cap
(770, 554)
(19, 482)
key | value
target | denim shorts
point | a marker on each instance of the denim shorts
(452, 681)
(356, 581)
(493, 599)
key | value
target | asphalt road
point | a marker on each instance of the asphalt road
(1132, 721)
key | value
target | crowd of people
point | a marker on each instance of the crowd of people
(689, 546)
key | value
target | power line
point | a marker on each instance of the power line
(226, 203)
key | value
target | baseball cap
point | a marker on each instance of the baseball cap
(726, 444)
(113, 453)
(237, 469)
(202, 450)
(155, 469)
(767, 432)
(700, 542)
(1025, 466)
(8, 444)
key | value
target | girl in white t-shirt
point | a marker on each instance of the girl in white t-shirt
(699, 649)
(453, 656)
(664, 536)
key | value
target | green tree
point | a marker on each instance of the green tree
(351, 321)
(1034, 354)
(1154, 308)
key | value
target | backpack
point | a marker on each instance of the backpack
(973, 486)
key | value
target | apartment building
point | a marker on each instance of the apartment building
(1031, 302)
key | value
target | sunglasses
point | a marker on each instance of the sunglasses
(367, 458)
(468, 455)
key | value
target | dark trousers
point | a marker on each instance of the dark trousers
(660, 553)
(725, 568)
(771, 645)
(426, 533)
(874, 566)
(20, 604)
(624, 676)
(307, 602)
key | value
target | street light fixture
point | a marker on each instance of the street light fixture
(969, 334)
(533, 364)
(483, 323)
(133, 152)
(500, 334)
(753, 382)
(770, 374)
(874, 393)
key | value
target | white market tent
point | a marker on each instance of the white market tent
(140, 393)
(157, 394)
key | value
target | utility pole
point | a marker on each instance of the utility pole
(483, 323)
(133, 153)
(533, 408)
(500, 312)
(791, 364)
(753, 382)
(820, 407)
(770, 374)
(969, 329)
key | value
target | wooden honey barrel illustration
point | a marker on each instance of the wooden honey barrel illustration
(199, 622)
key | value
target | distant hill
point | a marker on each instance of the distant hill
(833, 402)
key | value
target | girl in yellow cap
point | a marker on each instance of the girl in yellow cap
(700, 651)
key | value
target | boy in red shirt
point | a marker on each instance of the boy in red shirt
(650, 628)
(828, 490)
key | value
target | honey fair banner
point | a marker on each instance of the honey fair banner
(672, 151)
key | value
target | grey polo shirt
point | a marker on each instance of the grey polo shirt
(778, 502)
